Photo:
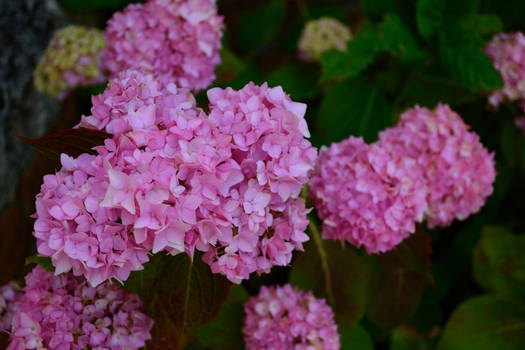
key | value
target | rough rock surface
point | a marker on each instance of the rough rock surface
(26, 26)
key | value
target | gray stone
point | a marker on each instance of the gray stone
(26, 27)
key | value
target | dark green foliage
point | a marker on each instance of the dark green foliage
(225, 332)
(297, 80)
(486, 322)
(499, 263)
(353, 107)
(470, 67)
(257, 27)
(361, 51)
(43, 261)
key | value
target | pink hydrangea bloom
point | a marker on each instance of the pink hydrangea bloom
(177, 40)
(286, 318)
(458, 170)
(135, 100)
(63, 312)
(507, 52)
(9, 294)
(181, 182)
(268, 144)
(368, 195)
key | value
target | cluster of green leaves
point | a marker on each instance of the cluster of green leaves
(495, 320)
(408, 53)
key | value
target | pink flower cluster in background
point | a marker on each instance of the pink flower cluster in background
(63, 312)
(507, 52)
(458, 170)
(177, 40)
(428, 166)
(369, 195)
(288, 318)
(174, 179)
(9, 295)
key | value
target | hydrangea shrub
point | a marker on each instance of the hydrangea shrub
(331, 189)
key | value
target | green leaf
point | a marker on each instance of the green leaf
(433, 15)
(508, 138)
(225, 332)
(93, 90)
(405, 271)
(355, 338)
(340, 275)
(470, 67)
(427, 89)
(486, 322)
(484, 24)
(230, 67)
(499, 263)
(296, 79)
(43, 261)
(260, 25)
(360, 52)
(397, 38)
(407, 338)
(70, 141)
(376, 7)
(353, 107)
(180, 295)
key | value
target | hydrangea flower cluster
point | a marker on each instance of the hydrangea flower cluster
(507, 52)
(136, 101)
(429, 166)
(458, 170)
(321, 35)
(268, 144)
(174, 179)
(177, 40)
(368, 195)
(72, 59)
(284, 317)
(63, 312)
(9, 295)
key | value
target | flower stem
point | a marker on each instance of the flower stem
(324, 260)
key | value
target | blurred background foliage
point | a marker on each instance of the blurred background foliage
(462, 287)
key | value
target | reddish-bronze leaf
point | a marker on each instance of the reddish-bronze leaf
(404, 272)
(70, 141)
(180, 295)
